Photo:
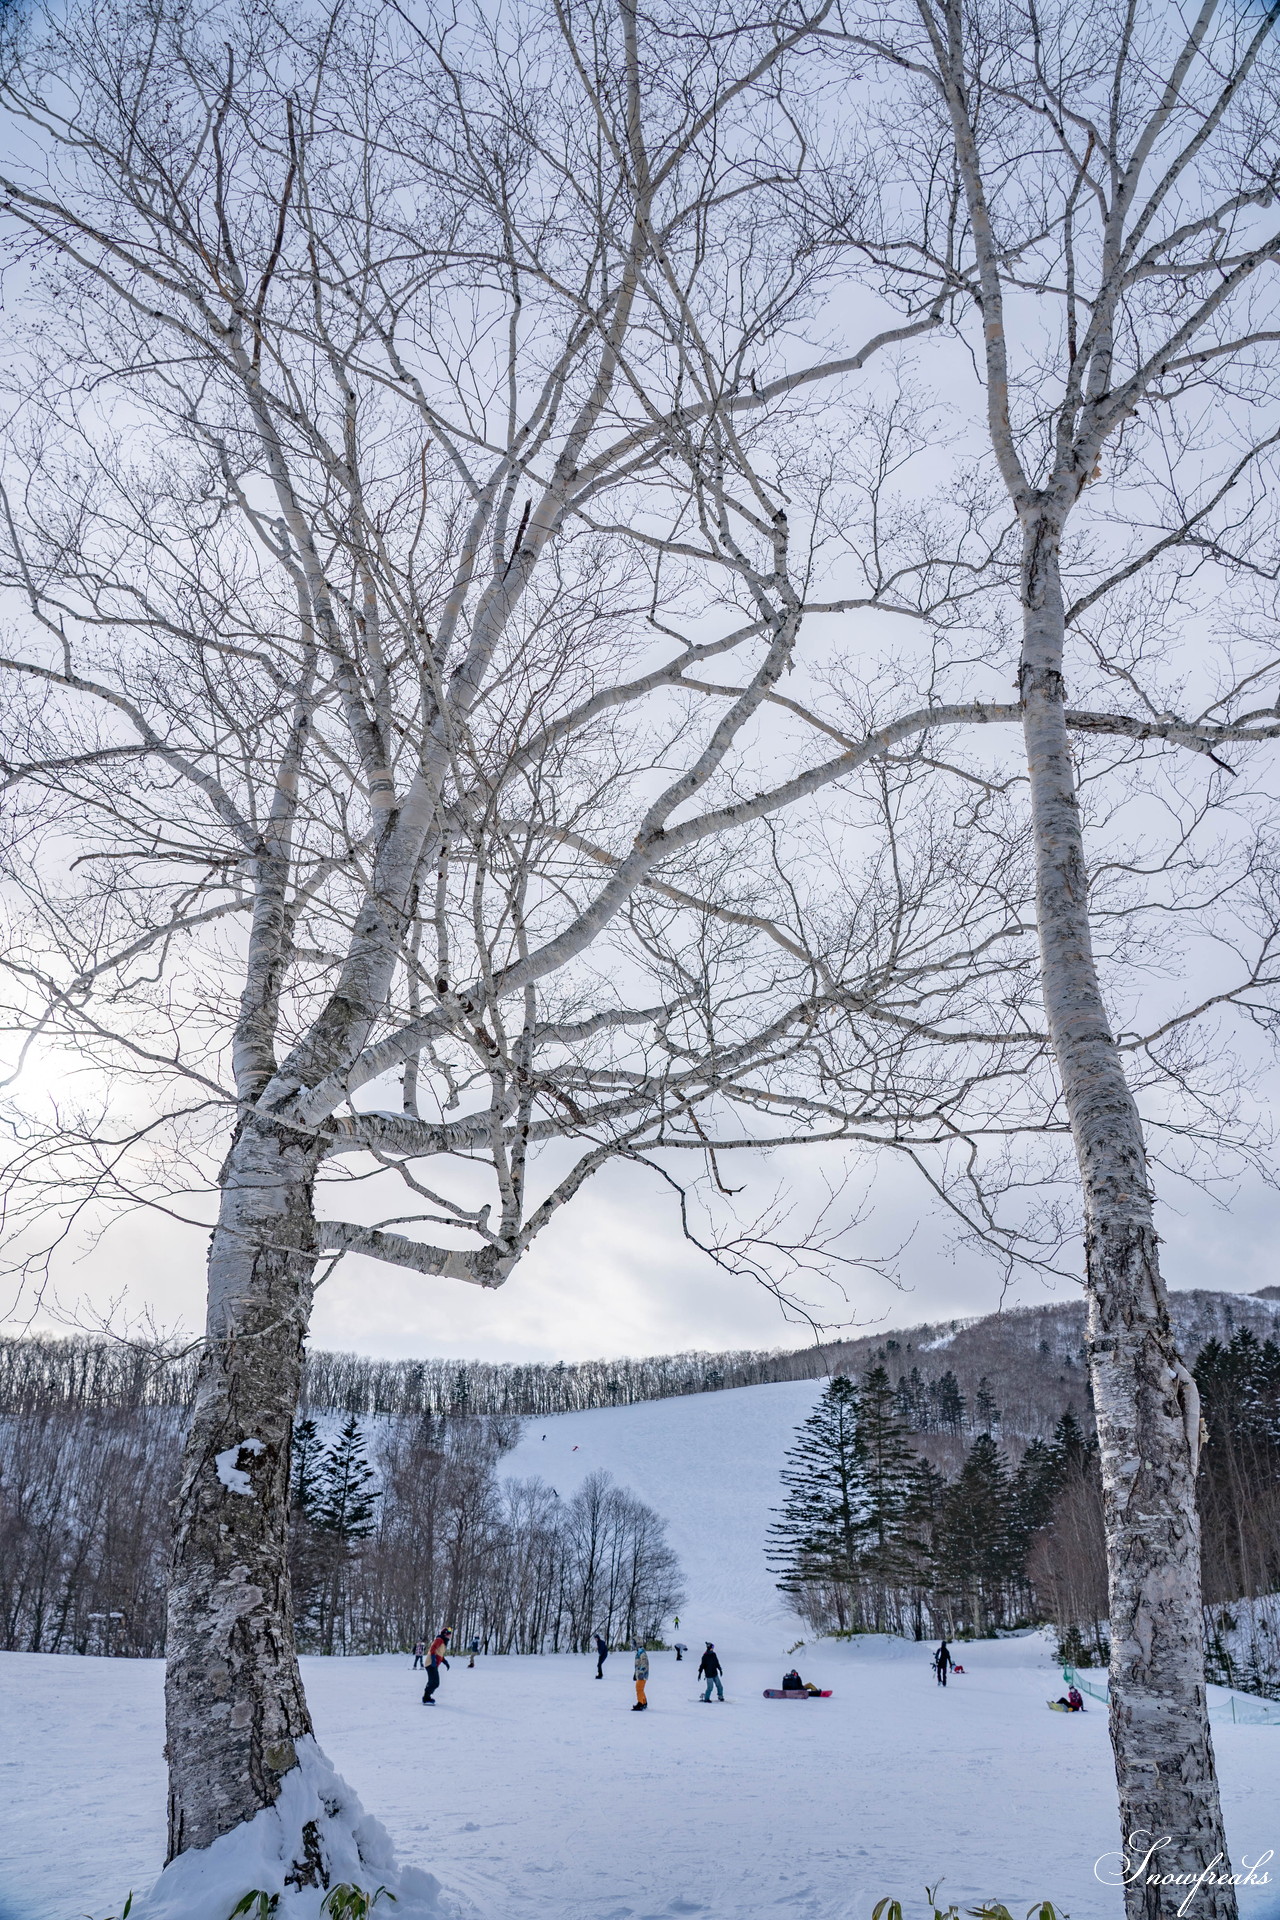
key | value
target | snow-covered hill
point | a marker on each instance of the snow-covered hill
(709, 1464)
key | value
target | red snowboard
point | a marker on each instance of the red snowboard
(795, 1693)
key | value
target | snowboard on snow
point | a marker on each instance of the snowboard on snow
(795, 1693)
(1056, 1706)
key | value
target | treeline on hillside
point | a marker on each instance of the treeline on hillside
(873, 1537)
(949, 1377)
(82, 1372)
(394, 1533)
(92, 1374)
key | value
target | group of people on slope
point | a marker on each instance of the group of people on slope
(709, 1669)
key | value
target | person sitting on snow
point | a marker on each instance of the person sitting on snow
(1073, 1700)
(792, 1683)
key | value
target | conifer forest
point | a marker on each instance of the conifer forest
(873, 1537)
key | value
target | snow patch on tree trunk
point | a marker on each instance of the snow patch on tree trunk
(315, 1836)
(230, 1472)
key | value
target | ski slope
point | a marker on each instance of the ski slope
(532, 1792)
(709, 1463)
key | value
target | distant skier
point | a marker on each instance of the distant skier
(642, 1675)
(473, 1650)
(942, 1663)
(710, 1670)
(681, 1649)
(435, 1660)
(419, 1648)
(602, 1654)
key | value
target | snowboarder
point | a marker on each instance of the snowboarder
(473, 1650)
(710, 1670)
(642, 1674)
(942, 1663)
(681, 1650)
(419, 1648)
(435, 1660)
(602, 1654)
(1072, 1701)
(792, 1683)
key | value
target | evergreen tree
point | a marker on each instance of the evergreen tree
(1036, 1486)
(985, 1409)
(951, 1405)
(888, 1550)
(978, 1548)
(304, 1466)
(849, 1526)
(1070, 1442)
(346, 1498)
(912, 1396)
(817, 1536)
(925, 1492)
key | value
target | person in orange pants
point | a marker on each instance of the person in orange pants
(642, 1674)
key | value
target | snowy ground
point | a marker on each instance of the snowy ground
(535, 1794)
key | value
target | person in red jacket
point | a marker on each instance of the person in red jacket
(435, 1660)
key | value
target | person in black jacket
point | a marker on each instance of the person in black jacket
(943, 1663)
(602, 1654)
(709, 1669)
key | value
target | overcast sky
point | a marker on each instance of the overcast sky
(612, 1276)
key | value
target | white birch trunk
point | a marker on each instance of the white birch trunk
(1146, 1403)
(235, 1707)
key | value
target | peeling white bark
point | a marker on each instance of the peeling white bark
(1147, 1408)
(234, 1704)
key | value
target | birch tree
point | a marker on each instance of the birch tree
(400, 572)
(1092, 192)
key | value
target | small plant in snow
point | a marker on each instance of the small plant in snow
(124, 1913)
(888, 1909)
(257, 1905)
(352, 1903)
